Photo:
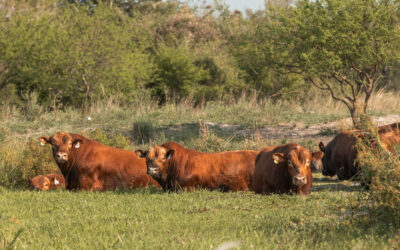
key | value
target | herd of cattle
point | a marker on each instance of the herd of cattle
(89, 165)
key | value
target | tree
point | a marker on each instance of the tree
(339, 46)
(74, 55)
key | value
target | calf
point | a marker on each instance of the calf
(284, 168)
(47, 182)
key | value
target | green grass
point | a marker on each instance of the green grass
(149, 218)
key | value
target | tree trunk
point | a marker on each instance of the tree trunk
(87, 93)
(359, 116)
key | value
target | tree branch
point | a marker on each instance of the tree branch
(329, 88)
(341, 80)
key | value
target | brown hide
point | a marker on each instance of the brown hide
(47, 182)
(90, 165)
(340, 154)
(176, 167)
(56, 181)
(273, 174)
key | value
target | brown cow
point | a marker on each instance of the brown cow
(90, 165)
(176, 167)
(47, 182)
(284, 168)
(340, 154)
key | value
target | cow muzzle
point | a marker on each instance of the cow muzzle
(153, 171)
(299, 180)
(61, 157)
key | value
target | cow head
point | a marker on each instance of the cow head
(328, 169)
(298, 162)
(62, 145)
(157, 158)
(39, 182)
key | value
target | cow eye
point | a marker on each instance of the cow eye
(307, 162)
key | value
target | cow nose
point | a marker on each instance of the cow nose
(62, 156)
(300, 180)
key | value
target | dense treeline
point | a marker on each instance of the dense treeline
(74, 53)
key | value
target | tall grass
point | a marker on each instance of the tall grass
(247, 111)
(146, 123)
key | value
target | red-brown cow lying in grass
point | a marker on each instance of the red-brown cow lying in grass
(47, 182)
(176, 167)
(90, 165)
(340, 153)
(284, 168)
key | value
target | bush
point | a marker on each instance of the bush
(32, 109)
(380, 170)
(75, 55)
(178, 74)
(143, 131)
(17, 165)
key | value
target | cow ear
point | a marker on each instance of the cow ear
(54, 181)
(51, 179)
(77, 143)
(44, 140)
(141, 154)
(322, 146)
(30, 179)
(169, 154)
(317, 155)
(278, 158)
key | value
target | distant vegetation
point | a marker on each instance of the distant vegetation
(76, 53)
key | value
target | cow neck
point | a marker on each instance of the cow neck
(68, 168)
(176, 169)
(174, 172)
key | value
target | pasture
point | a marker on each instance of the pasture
(149, 219)
(331, 217)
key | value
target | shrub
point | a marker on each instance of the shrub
(77, 55)
(380, 170)
(17, 165)
(177, 72)
(207, 140)
(143, 131)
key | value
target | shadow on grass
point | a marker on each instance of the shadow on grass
(146, 131)
(326, 183)
(336, 187)
(325, 179)
(143, 190)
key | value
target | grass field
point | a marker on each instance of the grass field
(149, 218)
(331, 217)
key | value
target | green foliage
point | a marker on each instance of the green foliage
(321, 37)
(143, 130)
(250, 48)
(75, 55)
(32, 108)
(381, 172)
(31, 160)
(178, 74)
(339, 46)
